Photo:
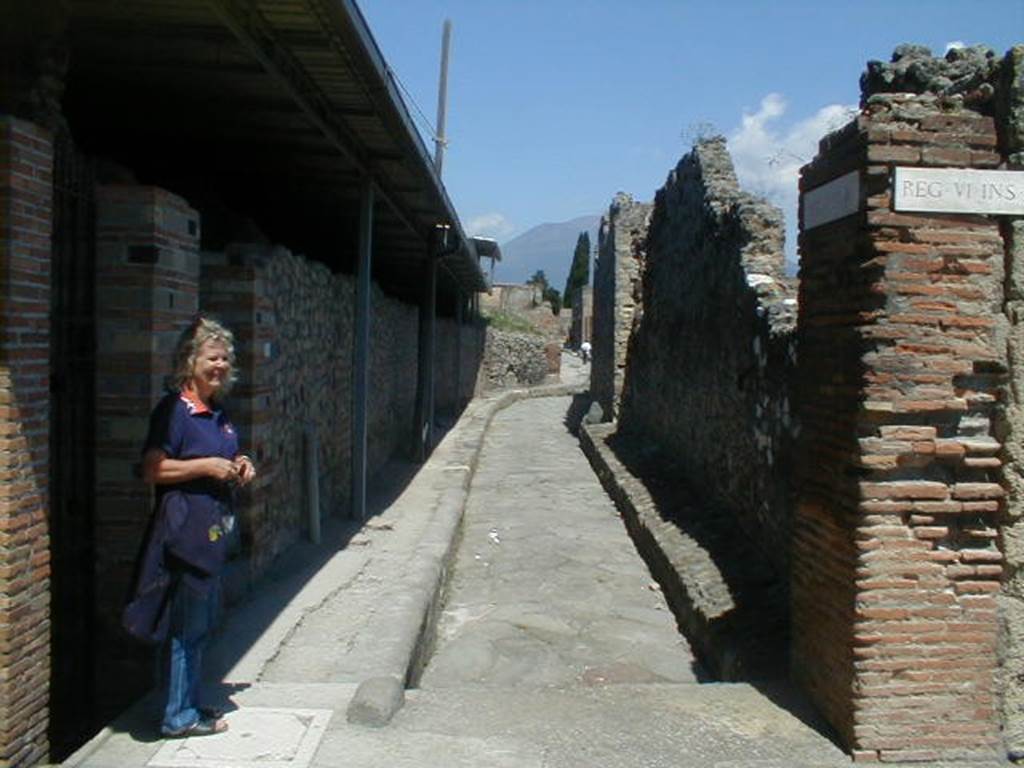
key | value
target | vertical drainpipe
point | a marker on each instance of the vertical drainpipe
(361, 351)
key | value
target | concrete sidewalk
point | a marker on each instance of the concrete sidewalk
(287, 662)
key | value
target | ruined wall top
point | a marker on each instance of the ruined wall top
(966, 73)
(973, 78)
(762, 224)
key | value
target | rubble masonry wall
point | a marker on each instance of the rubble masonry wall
(710, 364)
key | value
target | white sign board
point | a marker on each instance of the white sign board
(834, 200)
(958, 190)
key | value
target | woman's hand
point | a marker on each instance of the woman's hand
(221, 469)
(157, 468)
(245, 470)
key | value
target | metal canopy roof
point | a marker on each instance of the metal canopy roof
(273, 110)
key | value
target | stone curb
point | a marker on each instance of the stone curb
(693, 586)
(428, 572)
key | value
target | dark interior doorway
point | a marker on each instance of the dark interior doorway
(72, 437)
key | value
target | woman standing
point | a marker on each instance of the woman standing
(192, 448)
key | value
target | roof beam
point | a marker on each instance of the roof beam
(260, 39)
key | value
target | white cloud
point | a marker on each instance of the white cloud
(489, 225)
(955, 44)
(768, 156)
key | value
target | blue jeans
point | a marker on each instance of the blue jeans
(193, 613)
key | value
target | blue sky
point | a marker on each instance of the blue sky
(555, 106)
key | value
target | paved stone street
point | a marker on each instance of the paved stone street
(556, 647)
(548, 589)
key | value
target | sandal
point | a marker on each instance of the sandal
(204, 726)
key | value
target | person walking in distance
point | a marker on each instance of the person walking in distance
(192, 456)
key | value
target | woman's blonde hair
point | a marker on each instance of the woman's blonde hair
(200, 331)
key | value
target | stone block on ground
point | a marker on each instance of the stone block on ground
(375, 702)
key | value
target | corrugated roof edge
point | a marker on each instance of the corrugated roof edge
(376, 59)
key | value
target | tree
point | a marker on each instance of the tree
(579, 272)
(554, 298)
(539, 278)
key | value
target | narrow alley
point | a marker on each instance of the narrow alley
(554, 647)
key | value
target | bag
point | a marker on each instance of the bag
(196, 531)
(189, 528)
(147, 617)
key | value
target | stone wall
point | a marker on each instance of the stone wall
(512, 360)
(26, 209)
(896, 563)
(460, 350)
(710, 365)
(294, 322)
(622, 242)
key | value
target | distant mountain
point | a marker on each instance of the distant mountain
(548, 247)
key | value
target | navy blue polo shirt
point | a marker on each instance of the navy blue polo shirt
(183, 427)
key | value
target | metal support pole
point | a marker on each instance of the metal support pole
(425, 370)
(459, 302)
(361, 352)
(431, 348)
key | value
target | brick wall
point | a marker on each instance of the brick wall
(622, 242)
(1010, 126)
(895, 562)
(147, 270)
(26, 192)
(711, 362)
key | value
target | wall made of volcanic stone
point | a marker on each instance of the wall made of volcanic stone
(710, 365)
(622, 242)
(394, 333)
(460, 349)
(512, 359)
(294, 323)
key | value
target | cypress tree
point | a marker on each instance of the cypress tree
(579, 272)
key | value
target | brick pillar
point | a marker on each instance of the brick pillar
(147, 270)
(26, 209)
(895, 558)
(234, 289)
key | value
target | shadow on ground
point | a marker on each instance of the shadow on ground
(729, 603)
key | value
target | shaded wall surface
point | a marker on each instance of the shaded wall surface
(710, 362)
(26, 209)
(618, 293)
(460, 350)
